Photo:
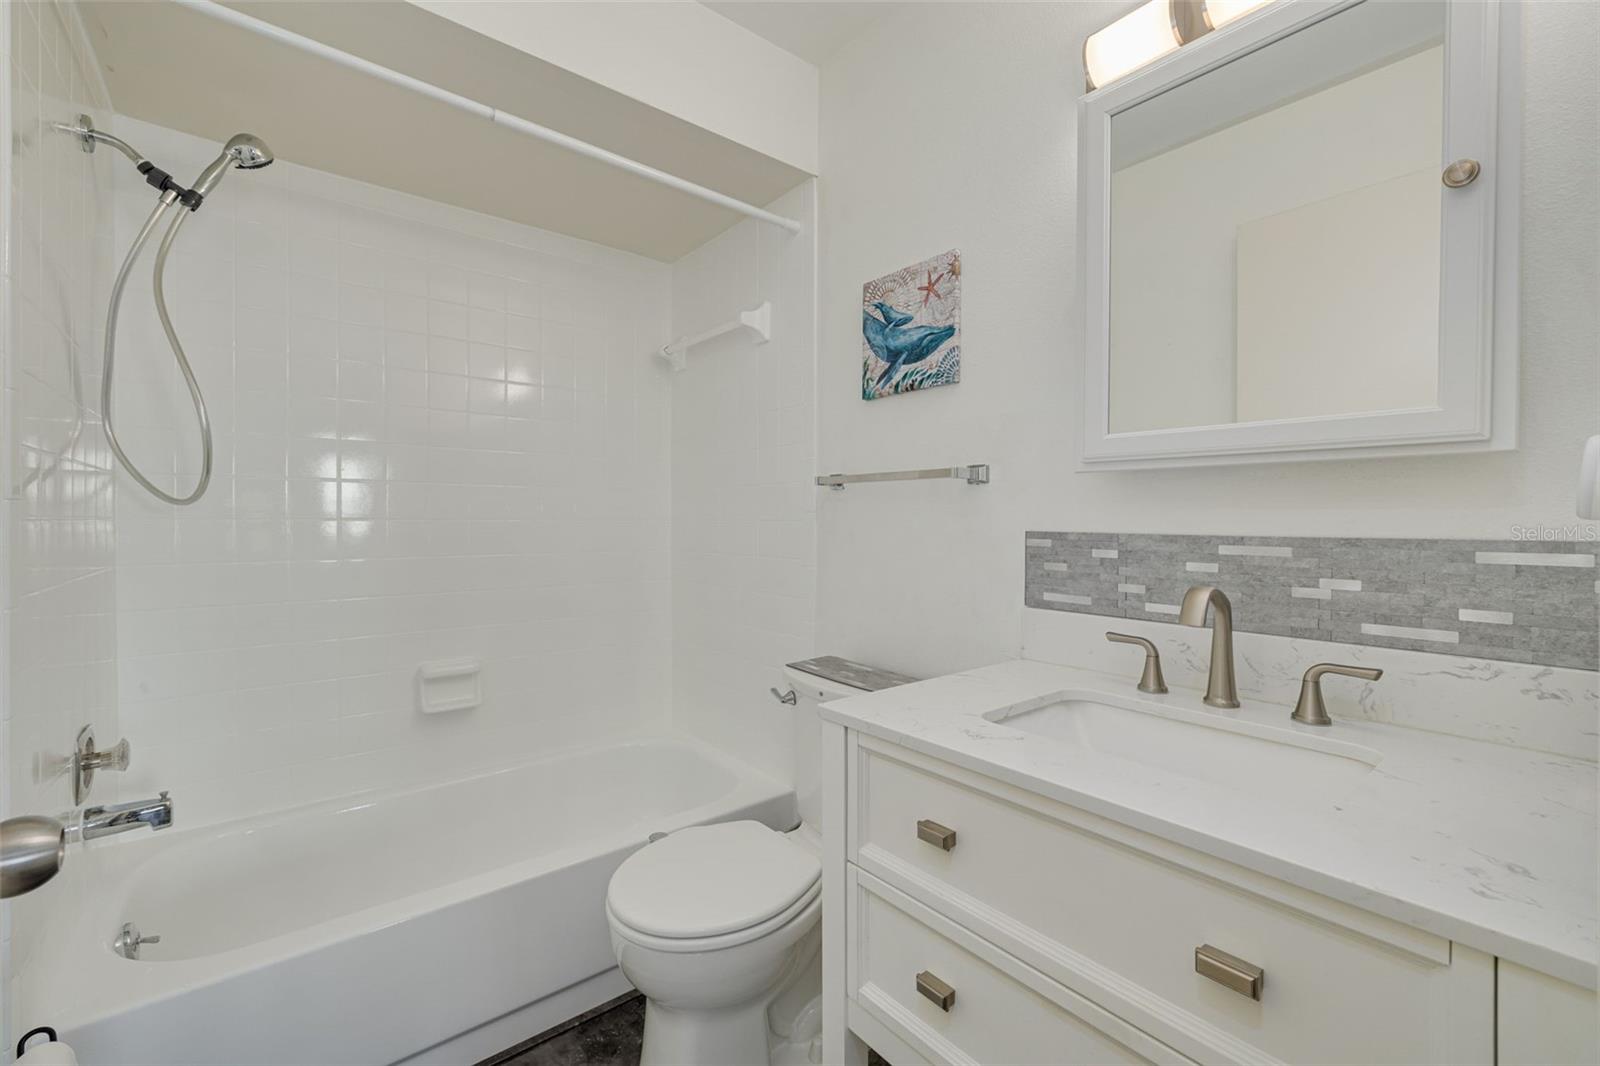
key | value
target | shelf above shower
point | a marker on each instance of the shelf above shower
(154, 54)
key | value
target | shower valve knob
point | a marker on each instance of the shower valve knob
(115, 757)
(87, 759)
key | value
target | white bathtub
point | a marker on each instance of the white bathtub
(435, 924)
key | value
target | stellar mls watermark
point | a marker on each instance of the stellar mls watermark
(1540, 531)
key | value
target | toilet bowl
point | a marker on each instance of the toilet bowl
(714, 924)
(720, 925)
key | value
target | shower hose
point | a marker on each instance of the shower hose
(168, 199)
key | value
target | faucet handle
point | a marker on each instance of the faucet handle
(1151, 680)
(1309, 708)
(86, 760)
(115, 757)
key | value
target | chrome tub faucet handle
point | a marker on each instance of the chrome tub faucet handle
(86, 759)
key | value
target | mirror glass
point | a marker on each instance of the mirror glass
(1275, 228)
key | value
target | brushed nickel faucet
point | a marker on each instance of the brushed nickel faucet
(1309, 708)
(1221, 691)
(1151, 680)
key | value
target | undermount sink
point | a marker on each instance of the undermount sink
(1199, 745)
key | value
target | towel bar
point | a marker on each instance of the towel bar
(976, 474)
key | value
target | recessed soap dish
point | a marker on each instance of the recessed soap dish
(449, 685)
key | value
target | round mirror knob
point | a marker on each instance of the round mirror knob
(1461, 173)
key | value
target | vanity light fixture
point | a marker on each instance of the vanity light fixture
(1218, 13)
(1152, 30)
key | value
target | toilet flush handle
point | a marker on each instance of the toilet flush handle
(784, 697)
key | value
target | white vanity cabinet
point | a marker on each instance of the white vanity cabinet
(978, 922)
(1543, 1020)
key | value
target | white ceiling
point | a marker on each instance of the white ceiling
(168, 65)
(812, 31)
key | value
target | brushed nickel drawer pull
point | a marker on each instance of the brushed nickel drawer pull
(1229, 971)
(941, 994)
(940, 836)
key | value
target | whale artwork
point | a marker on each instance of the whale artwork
(911, 328)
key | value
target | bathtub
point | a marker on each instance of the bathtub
(434, 924)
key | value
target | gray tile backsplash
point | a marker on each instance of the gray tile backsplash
(1519, 601)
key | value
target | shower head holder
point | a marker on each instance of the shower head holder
(161, 181)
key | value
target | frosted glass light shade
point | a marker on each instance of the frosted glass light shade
(1219, 13)
(1153, 29)
(1143, 35)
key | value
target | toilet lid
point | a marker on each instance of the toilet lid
(711, 879)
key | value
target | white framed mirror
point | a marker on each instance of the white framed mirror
(1299, 238)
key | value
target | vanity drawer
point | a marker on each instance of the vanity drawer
(956, 999)
(1116, 915)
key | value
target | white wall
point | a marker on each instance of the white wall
(927, 577)
(438, 435)
(743, 502)
(58, 655)
(680, 58)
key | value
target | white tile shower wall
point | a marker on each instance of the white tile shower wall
(743, 503)
(439, 435)
(59, 600)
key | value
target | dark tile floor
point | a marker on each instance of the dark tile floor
(609, 1035)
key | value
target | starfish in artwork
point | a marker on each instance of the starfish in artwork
(930, 290)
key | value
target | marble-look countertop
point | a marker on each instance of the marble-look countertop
(1491, 846)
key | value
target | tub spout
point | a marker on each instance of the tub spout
(121, 817)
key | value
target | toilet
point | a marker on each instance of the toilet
(720, 925)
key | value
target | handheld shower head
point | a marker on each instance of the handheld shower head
(245, 151)
(249, 151)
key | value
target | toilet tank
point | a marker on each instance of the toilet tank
(815, 682)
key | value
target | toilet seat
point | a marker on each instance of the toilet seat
(801, 913)
(712, 886)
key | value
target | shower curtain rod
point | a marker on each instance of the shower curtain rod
(502, 118)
